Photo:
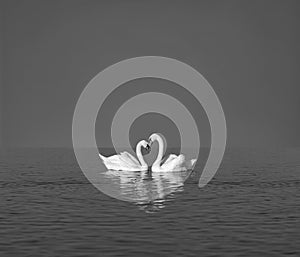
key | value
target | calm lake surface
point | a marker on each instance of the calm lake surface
(250, 208)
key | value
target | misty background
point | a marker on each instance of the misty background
(247, 50)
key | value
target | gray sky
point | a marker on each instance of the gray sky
(248, 51)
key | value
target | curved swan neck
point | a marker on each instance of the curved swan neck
(160, 149)
(139, 154)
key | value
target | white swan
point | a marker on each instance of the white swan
(125, 161)
(173, 162)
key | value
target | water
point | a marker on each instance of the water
(250, 208)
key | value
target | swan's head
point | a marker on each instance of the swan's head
(153, 137)
(145, 144)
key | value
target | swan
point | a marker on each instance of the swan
(125, 161)
(173, 162)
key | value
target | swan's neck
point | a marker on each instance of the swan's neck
(160, 150)
(139, 154)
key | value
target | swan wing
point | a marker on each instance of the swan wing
(175, 163)
(113, 158)
(113, 166)
(130, 159)
(182, 164)
(115, 162)
(170, 158)
(191, 163)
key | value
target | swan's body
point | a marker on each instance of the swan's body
(125, 161)
(173, 162)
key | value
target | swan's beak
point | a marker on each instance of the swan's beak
(150, 142)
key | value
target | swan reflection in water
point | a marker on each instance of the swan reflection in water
(149, 190)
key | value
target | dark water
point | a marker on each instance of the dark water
(250, 208)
